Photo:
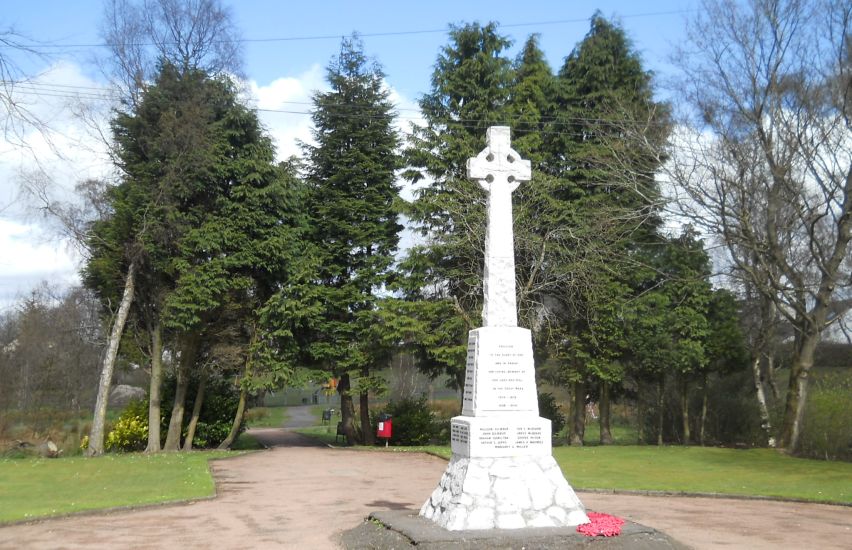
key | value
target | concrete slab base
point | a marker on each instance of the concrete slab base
(404, 528)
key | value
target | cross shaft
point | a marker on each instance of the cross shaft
(499, 169)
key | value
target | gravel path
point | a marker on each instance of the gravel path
(300, 495)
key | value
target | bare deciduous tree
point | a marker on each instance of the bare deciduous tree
(49, 348)
(191, 34)
(767, 166)
(16, 116)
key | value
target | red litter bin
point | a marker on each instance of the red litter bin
(385, 427)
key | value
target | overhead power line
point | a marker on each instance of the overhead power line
(104, 94)
(553, 125)
(379, 34)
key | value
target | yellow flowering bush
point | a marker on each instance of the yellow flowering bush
(130, 432)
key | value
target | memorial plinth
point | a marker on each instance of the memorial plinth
(502, 473)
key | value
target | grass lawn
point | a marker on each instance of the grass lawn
(621, 435)
(762, 472)
(753, 472)
(326, 434)
(266, 417)
(246, 442)
(32, 488)
(317, 411)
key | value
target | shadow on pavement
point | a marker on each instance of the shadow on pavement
(283, 437)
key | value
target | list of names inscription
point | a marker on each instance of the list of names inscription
(498, 437)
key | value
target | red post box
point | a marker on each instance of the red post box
(385, 427)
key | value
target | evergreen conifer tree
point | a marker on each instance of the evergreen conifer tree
(470, 92)
(353, 216)
(202, 217)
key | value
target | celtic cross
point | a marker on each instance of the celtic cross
(499, 169)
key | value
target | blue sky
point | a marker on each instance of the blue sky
(407, 58)
(287, 46)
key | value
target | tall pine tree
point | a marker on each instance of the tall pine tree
(353, 210)
(205, 218)
(610, 195)
(469, 93)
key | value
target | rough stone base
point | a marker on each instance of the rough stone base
(503, 493)
(404, 529)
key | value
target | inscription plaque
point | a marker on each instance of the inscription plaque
(500, 436)
(499, 378)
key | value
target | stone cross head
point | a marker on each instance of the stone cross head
(498, 163)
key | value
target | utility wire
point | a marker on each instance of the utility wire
(337, 36)
(47, 90)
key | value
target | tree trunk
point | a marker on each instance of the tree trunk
(606, 432)
(154, 390)
(770, 375)
(238, 420)
(703, 411)
(241, 406)
(640, 414)
(578, 415)
(187, 359)
(369, 438)
(96, 437)
(347, 408)
(765, 421)
(684, 409)
(196, 412)
(569, 423)
(803, 360)
(661, 387)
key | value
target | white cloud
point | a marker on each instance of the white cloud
(290, 98)
(67, 151)
(28, 251)
(73, 150)
(27, 257)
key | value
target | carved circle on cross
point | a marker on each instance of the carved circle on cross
(498, 162)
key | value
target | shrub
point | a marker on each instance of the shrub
(255, 415)
(412, 421)
(217, 412)
(550, 409)
(441, 430)
(446, 408)
(130, 432)
(827, 426)
(210, 434)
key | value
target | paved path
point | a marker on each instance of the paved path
(300, 416)
(299, 495)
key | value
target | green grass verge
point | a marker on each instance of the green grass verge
(317, 410)
(326, 435)
(753, 472)
(621, 435)
(246, 442)
(266, 417)
(31, 488)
